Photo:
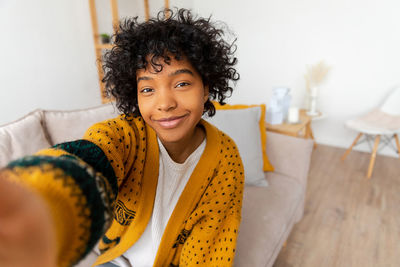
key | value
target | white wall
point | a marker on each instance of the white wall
(359, 39)
(47, 57)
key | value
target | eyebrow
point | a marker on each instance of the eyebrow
(146, 78)
(181, 71)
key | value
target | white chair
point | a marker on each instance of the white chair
(381, 124)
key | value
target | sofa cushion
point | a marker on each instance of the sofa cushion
(22, 137)
(268, 215)
(290, 155)
(263, 133)
(242, 125)
(63, 126)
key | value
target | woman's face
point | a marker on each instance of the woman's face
(171, 101)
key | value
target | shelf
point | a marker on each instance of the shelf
(95, 27)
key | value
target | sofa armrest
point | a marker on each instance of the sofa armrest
(290, 156)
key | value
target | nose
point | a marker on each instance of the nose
(166, 101)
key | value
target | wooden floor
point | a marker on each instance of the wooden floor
(349, 220)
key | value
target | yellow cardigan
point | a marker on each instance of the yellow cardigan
(103, 187)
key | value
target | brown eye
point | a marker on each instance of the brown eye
(182, 84)
(146, 90)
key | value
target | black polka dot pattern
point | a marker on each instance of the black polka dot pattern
(214, 224)
(124, 143)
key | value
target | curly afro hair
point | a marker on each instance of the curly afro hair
(180, 35)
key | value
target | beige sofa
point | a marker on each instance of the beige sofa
(269, 213)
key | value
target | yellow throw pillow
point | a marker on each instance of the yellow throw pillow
(267, 165)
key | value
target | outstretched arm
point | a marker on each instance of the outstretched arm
(27, 236)
(78, 182)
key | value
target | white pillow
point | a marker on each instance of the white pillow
(22, 137)
(242, 125)
(64, 126)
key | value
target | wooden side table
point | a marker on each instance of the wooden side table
(301, 129)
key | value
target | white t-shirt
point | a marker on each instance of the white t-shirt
(171, 182)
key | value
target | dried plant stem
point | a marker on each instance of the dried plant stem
(316, 74)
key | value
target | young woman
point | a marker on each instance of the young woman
(158, 186)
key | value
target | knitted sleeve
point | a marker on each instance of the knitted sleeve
(216, 219)
(79, 181)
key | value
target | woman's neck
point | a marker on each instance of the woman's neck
(180, 151)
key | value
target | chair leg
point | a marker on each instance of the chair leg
(351, 147)
(397, 143)
(373, 156)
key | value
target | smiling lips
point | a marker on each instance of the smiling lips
(170, 122)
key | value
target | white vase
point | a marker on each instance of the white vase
(312, 111)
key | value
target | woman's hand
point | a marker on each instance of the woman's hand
(27, 235)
